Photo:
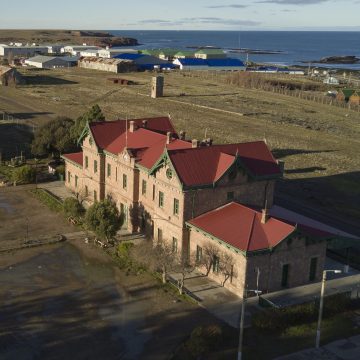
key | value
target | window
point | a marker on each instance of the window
(160, 234)
(124, 181)
(108, 170)
(285, 275)
(313, 267)
(95, 166)
(86, 191)
(161, 199)
(76, 180)
(95, 195)
(169, 174)
(69, 176)
(230, 195)
(116, 174)
(143, 187)
(198, 253)
(174, 245)
(153, 192)
(86, 162)
(176, 207)
(216, 263)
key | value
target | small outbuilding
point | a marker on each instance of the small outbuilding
(10, 76)
(210, 54)
(345, 94)
(110, 65)
(355, 98)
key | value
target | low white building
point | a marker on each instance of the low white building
(89, 53)
(331, 80)
(76, 49)
(47, 62)
(112, 52)
(54, 49)
(26, 51)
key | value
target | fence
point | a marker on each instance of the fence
(9, 118)
(260, 82)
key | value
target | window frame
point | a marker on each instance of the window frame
(161, 200)
(143, 187)
(95, 167)
(176, 207)
(124, 182)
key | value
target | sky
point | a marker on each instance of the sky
(182, 15)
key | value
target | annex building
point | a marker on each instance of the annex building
(196, 195)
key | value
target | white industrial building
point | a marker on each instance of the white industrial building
(26, 51)
(47, 62)
(89, 53)
(77, 49)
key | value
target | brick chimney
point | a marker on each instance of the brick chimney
(168, 137)
(195, 143)
(265, 216)
(144, 124)
(182, 135)
(132, 126)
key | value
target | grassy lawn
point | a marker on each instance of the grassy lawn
(295, 338)
(318, 142)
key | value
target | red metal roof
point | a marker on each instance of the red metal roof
(75, 157)
(241, 227)
(205, 165)
(105, 132)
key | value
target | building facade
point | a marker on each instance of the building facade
(192, 193)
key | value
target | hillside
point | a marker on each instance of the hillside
(73, 37)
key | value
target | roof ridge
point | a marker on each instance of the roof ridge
(251, 230)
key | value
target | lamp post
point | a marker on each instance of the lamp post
(241, 334)
(318, 331)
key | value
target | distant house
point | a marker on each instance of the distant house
(210, 54)
(168, 54)
(344, 94)
(184, 54)
(47, 62)
(331, 80)
(227, 64)
(10, 76)
(355, 98)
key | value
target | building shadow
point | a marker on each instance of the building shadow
(47, 80)
(29, 115)
(281, 153)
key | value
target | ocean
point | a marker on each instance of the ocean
(293, 46)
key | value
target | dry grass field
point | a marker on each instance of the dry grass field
(320, 144)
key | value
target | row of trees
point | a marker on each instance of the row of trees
(61, 134)
(162, 257)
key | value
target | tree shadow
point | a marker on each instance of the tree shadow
(29, 115)
(47, 80)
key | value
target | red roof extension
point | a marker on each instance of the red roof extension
(241, 227)
(75, 157)
(205, 165)
(105, 132)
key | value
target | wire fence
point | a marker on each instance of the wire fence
(6, 117)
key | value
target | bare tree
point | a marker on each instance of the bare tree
(185, 267)
(157, 256)
(209, 253)
(81, 195)
(226, 265)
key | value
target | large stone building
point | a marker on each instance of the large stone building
(188, 193)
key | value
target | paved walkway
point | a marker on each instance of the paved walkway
(345, 349)
(57, 188)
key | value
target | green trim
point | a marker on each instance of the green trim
(84, 134)
(110, 154)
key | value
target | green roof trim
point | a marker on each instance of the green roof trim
(210, 51)
(347, 92)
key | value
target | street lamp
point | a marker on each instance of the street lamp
(317, 344)
(241, 334)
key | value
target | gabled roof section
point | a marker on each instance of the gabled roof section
(76, 158)
(240, 227)
(205, 165)
(106, 132)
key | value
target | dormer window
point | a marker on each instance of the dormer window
(169, 174)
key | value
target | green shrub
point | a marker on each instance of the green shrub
(73, 208)
(204, 339)
(24, 174)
